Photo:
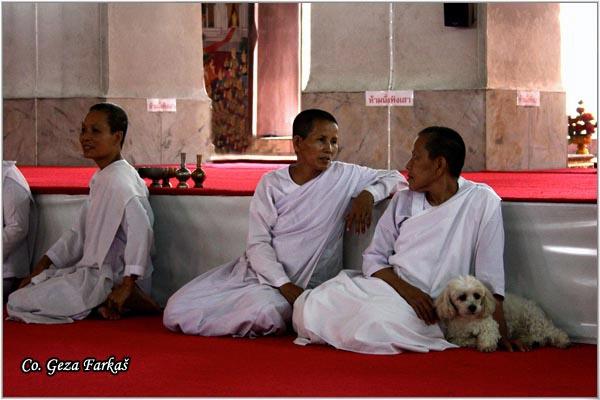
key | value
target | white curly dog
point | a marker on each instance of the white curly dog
(466, 307)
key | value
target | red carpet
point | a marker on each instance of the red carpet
(240, 179)
(163, 363)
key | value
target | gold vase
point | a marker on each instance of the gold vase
(582, 142)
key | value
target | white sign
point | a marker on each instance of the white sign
(389, 98)
(161, 105)
(528, 98)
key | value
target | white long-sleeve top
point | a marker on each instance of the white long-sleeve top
(16, 214)
(119, 198)
(427, 246)
(296, 231)
(129, 252)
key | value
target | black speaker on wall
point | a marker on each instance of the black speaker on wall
(460, 15)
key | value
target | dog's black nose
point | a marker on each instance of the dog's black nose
(472, 308)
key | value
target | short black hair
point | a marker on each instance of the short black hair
(447, 143)
(115, 116)
(304, 122)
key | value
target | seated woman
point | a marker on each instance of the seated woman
(440, 227)
(297, 219)
(95, 264)
(18, 227)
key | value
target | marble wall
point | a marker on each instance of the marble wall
(155, 50)
(463, 78)
(18, 50)
(61, 58)
(53, 49)
(364, 130)
(523, 46)
(525, 138)
(19, 134)
(498, 134)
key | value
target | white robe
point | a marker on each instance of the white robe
(111, 238)
(295, 235)
(18, 222)
(426, 246)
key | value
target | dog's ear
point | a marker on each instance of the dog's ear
(488, 304)
(443, 305)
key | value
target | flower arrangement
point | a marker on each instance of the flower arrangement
(581, 129)
(583, 124)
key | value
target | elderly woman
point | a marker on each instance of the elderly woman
(297, 219)
(440, 227)
(103, 262)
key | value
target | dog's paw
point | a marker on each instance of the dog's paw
(561, 340)
(488, 342)
(486, 348)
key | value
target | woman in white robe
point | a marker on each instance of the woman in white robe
(440, 227)
(18, 226)
(96, 263)
(297, 219)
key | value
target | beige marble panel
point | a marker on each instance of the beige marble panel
(461, 110)
(349, 50)
(548, 134)
(59, 124)
(18, 50)
(155, 50)
(18, 133)
(525, 138)
(429, 55)
(188, 130)
(523, 46)
(363, 130)
(143, 139)
(71, 41)
(507, 139)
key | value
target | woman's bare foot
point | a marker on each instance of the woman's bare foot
(108, 313)
(140, 303)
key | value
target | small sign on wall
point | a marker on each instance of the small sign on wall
(528, 98)
(161, 105)
(403, 98)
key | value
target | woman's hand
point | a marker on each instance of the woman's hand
(290, 292)
(42, 265)
(361, 210)
(420, 301)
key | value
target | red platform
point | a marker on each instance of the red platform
(240, 179)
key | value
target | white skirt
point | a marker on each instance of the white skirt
(61, 295)
(363, 315)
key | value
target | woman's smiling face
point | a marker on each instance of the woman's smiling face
(97, 141)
